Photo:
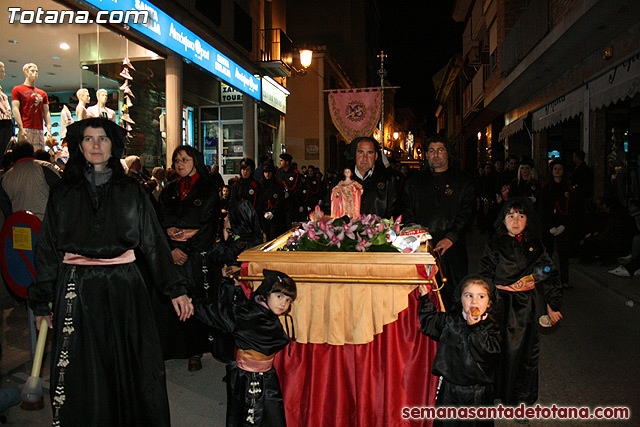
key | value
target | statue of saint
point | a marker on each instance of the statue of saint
(345, 197)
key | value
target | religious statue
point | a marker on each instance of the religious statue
(409, 145)
(345, 197)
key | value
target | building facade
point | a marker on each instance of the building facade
(545, 78)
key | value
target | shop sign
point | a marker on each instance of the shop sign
(273, 95)
(230, 94)
(559, 109)
(619, 83)
(165, 30)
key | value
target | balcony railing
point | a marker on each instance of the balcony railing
(474, 93)
(276, 46)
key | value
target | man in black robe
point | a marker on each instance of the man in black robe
(379, 185)
(442, 198)
(293, 185)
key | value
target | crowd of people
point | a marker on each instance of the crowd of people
(121, 253)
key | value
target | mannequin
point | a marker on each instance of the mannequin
(83, 101)
(100, 109)
(65, 120)
(6, 121)
(345, 197)
(30, 106)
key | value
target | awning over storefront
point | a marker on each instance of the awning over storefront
(619, 83)
(513, 127)
(561, 109)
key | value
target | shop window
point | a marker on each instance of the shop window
(210, 9)
(231, 113)
(209, 114)
(242, 28)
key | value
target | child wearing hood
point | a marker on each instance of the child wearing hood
(515, 260)
(253, 390)
(468, 345)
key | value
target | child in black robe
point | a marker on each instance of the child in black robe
(254, 397)
(515, 260)
(468, 346)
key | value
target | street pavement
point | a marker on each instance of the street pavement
(589, 359)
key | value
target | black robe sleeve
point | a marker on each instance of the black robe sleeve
(431, 322)
(218, 311)
(464, 215)
(484, 340)
(155, 250)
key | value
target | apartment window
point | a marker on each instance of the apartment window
(210, 9)
(243, 28)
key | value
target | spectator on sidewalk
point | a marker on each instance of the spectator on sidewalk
(613, 240)
(630, 264)
(557, 213)
(25, 187)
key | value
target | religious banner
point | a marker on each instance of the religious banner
(355, 112)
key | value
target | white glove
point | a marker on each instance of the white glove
(553, 230)
(268, 215)
(559, 230)
(532, 198)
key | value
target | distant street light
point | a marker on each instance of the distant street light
(395, 135)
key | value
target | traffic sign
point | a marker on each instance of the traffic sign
(17, 244)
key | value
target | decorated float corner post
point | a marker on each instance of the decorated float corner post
(356, 280)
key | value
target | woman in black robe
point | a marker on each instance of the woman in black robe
(188, 211)
(254, 397)
(107, 367)
(517, 263)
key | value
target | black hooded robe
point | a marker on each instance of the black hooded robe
(253, 399)
(106, 364)
(505, 261)
(466, 357)
(199, 210)
(444, 203)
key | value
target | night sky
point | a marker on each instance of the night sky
(419, 37)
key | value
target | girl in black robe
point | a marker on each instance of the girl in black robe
(241, 231)
(188, 211)
(468, 346)
(516, 262)
(254, 397)
(106, 364)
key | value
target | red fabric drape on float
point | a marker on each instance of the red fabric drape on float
(361, 385)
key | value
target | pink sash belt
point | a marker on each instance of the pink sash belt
(126, 258)
(249, 364)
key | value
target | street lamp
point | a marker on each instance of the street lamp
(395, 135)
(306, 56)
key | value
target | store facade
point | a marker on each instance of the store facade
(174, 90)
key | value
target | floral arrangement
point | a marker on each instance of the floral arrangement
(368, 233)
